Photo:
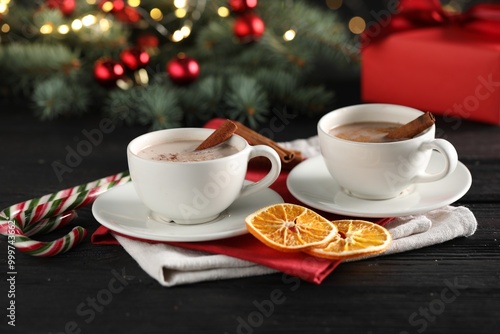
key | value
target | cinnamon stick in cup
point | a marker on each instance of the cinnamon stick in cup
(413, 128)
(220, 135)
(289, 158)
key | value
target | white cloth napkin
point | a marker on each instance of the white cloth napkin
(434, 227)
(171, 265)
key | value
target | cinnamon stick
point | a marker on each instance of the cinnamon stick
(289, 158)
(413, 128)
(220, 135)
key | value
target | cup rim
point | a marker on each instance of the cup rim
(323, 119)
(158, 132)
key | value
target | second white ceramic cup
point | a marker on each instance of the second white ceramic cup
(380, 171)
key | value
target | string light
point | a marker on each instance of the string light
(357, 25)
(177, 36)
(334, 4)
(186, 31)
(289, 35)
(76, 24)
(223, 11)
(107, 6)
(134, 3)
(156, 14)
(46, 29)
(3, 8)
(63, 29)
(104, 24)
(5, 28)
(180, 8)
(88, 20)
(180, 3)
(180, 13)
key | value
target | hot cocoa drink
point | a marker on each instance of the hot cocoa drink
(366, 132)
(184, 151)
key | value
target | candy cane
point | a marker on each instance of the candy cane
(44, 214)
(35, 205)
(48, 225)
(38, 248)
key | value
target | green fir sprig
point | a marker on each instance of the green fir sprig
(241, 81)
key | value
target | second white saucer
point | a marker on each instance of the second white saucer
(311, 183)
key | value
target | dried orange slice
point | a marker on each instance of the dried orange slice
(356, 238)
(290, 228)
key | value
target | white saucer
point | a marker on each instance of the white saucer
(311, 183)
(121, 210)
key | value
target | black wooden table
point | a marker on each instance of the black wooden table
(401, 293)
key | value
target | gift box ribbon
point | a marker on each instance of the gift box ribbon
(483, 18)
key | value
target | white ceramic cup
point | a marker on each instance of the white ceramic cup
(381, 170)
(194, 192)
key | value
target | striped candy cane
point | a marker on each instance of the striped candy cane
(36, 207)
(29, 246)
(46, 213)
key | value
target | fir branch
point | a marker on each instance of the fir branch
(25, 64)
(280, 86)
(217, 40)
(202, 100)
(122, 105)
(310, 100)
(159, 107)
(153, 105)
(317, 31)
(58, 96)
(246, 101)
(53, 17)
(38, 58)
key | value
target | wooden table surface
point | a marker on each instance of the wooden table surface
(452, 287)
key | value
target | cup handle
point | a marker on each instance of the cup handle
(271, 176)
(449, 153)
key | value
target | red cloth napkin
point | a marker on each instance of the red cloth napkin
(247, 247)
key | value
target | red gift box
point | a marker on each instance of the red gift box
(448, 65)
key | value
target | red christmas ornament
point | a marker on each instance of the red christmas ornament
(241, 6)
(145, 41)
(248, 27)
(183, 70)
(134, 58)
(108, 71)
(67, 7)
(128, 15)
